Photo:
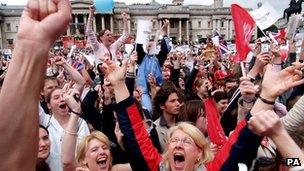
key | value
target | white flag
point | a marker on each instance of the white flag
(144, 28)
(265, 16)
(216, 40)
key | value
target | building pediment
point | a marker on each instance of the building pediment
(80, 4)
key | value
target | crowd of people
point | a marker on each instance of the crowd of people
(159, 108)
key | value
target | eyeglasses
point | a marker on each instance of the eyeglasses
(185, 141)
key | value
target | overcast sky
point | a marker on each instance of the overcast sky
(245, 3)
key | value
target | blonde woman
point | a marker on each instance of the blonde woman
(93, 152)
(187, 148)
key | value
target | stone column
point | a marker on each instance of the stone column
(111, 23)
(227, 29)
(69, 30)
(180, 30)
(76, 23)
(187, 30)
(218, 26)
(85, 19)
(213, 24)
(129, 25)
(159, 23)
(102, 22)
(230, 29)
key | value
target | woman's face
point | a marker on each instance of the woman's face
(107, 38)
(181, 83)
(57, 103)
(182, 152)
(44, 144)
(201, 121)
(203, 88)
(97, 156)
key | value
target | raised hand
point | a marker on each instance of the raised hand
(275, 83)
(152, 80)
(114, 73)
(71, 100)
(165, 23)
(59, 60)
(247, 89)
(44, 21)
(124, 16)
(92, 9)
(262, 59)
(133, 57)
(265, 123)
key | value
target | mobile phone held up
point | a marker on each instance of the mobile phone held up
(264, 47)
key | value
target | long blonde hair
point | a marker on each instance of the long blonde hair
(198, 138)
(83, 145)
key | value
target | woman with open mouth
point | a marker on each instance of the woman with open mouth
(93, 152)
(187, 148)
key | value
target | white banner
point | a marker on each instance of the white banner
(144, 28)
(265, 16)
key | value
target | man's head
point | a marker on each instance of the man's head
(167, 100)
(50, 83)
(230, 84)
(221, 100)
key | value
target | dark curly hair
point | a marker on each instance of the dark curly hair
(162, 96)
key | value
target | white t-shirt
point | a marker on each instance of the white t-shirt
(56, 133)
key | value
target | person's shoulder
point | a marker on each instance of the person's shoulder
(121, 167)
(156, 122)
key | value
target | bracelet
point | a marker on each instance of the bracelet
(71, 133)
(76, 113)
(252, 79)
(266, 101)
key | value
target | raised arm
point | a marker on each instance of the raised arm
(275, 83)
(68, 145)
(284, 143)
(39, 28)
(75, 75)
(164, 46)
(125, 34)
(136, 137)
(89, 30)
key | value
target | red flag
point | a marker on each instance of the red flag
(280, 35)
(214, 128)
(243, 26)
(67, 41)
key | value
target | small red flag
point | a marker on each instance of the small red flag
(214, 127)
(243, 26)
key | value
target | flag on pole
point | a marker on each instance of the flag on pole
(243, 25)
(223, 47)
(265, 16)
(279, 35)
(219, 42)
(215, 131)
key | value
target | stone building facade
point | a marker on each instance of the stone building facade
(188, 23)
